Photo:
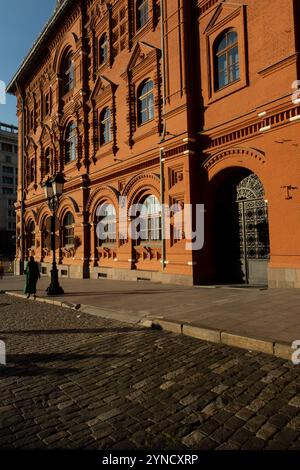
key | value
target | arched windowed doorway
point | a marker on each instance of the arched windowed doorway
(241, 230)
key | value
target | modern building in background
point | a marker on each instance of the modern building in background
(8, 188)
(171, 101)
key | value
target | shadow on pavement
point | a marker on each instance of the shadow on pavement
(27, 365)
(70, 331)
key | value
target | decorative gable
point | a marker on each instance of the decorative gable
(142, 55)
(224, 13)
(103, 87)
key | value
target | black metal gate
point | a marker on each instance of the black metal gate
(254, 245)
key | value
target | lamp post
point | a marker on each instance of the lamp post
(53, 190)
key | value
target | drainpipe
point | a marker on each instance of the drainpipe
(161, 151)
(22, 231)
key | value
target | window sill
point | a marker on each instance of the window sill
(139, 126)
(107, 245)
(227, 90)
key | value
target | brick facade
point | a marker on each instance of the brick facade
(212, 137)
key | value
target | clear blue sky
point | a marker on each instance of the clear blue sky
(21, 21)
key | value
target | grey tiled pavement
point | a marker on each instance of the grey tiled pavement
(79, 381)
(269, 313)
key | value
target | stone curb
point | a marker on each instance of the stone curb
(276, 348)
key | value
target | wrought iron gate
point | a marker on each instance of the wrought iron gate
(254, 245)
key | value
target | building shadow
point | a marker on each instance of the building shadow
(71, 331)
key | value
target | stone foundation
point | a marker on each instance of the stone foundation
(284, 278)
(77, 272)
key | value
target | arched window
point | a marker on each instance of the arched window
(142, 13)
(145, 102)
(47, 103)
(68, 73)
(31, 171)
(227, 68)
(31, 236)
(71, 142)
(47, 161)
(106, 224)
(68, 230)
(105, 126)
(151, 219)
(103, 49)
(46, 233)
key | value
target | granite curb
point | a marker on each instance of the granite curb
(273, 347)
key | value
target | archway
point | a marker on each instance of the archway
(240, 227)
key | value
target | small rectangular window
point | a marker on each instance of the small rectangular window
(7, 147)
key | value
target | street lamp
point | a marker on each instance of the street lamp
(53, 190)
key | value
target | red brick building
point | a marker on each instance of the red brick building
(170, 101)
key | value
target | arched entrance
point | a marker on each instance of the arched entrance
(241, 228)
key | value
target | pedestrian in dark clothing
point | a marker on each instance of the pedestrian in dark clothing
(32, 276)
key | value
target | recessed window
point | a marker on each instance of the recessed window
(7, 191)
(105, 126)
(8, 169)
(31, 171)
(47, 104)
(103, 49)
(227, 68)
(31, 236)
(68, 229)
(106, 224)
(47, 161)
(7, 148)
(68, 73)
(150, 227)
(7, 180)
(71, 143)
(145, 102)
(142, 13)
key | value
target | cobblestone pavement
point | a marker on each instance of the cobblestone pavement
(76, 381)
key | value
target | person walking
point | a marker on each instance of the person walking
(32, 276)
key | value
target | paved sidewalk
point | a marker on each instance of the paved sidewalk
(271, 316)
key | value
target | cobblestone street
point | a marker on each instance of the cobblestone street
(78, 381)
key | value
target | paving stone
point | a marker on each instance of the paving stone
(104, 385)
(294, 424)
(266, 431)
(209, 426)
(241, 436)
(222, 434)
(286, 436)
(254, 443)
(207, 444)
(295, 401)
(229, 445)
(234, 423)
(245, 414)
(255, 423)
(279, 420)
(223, 416)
